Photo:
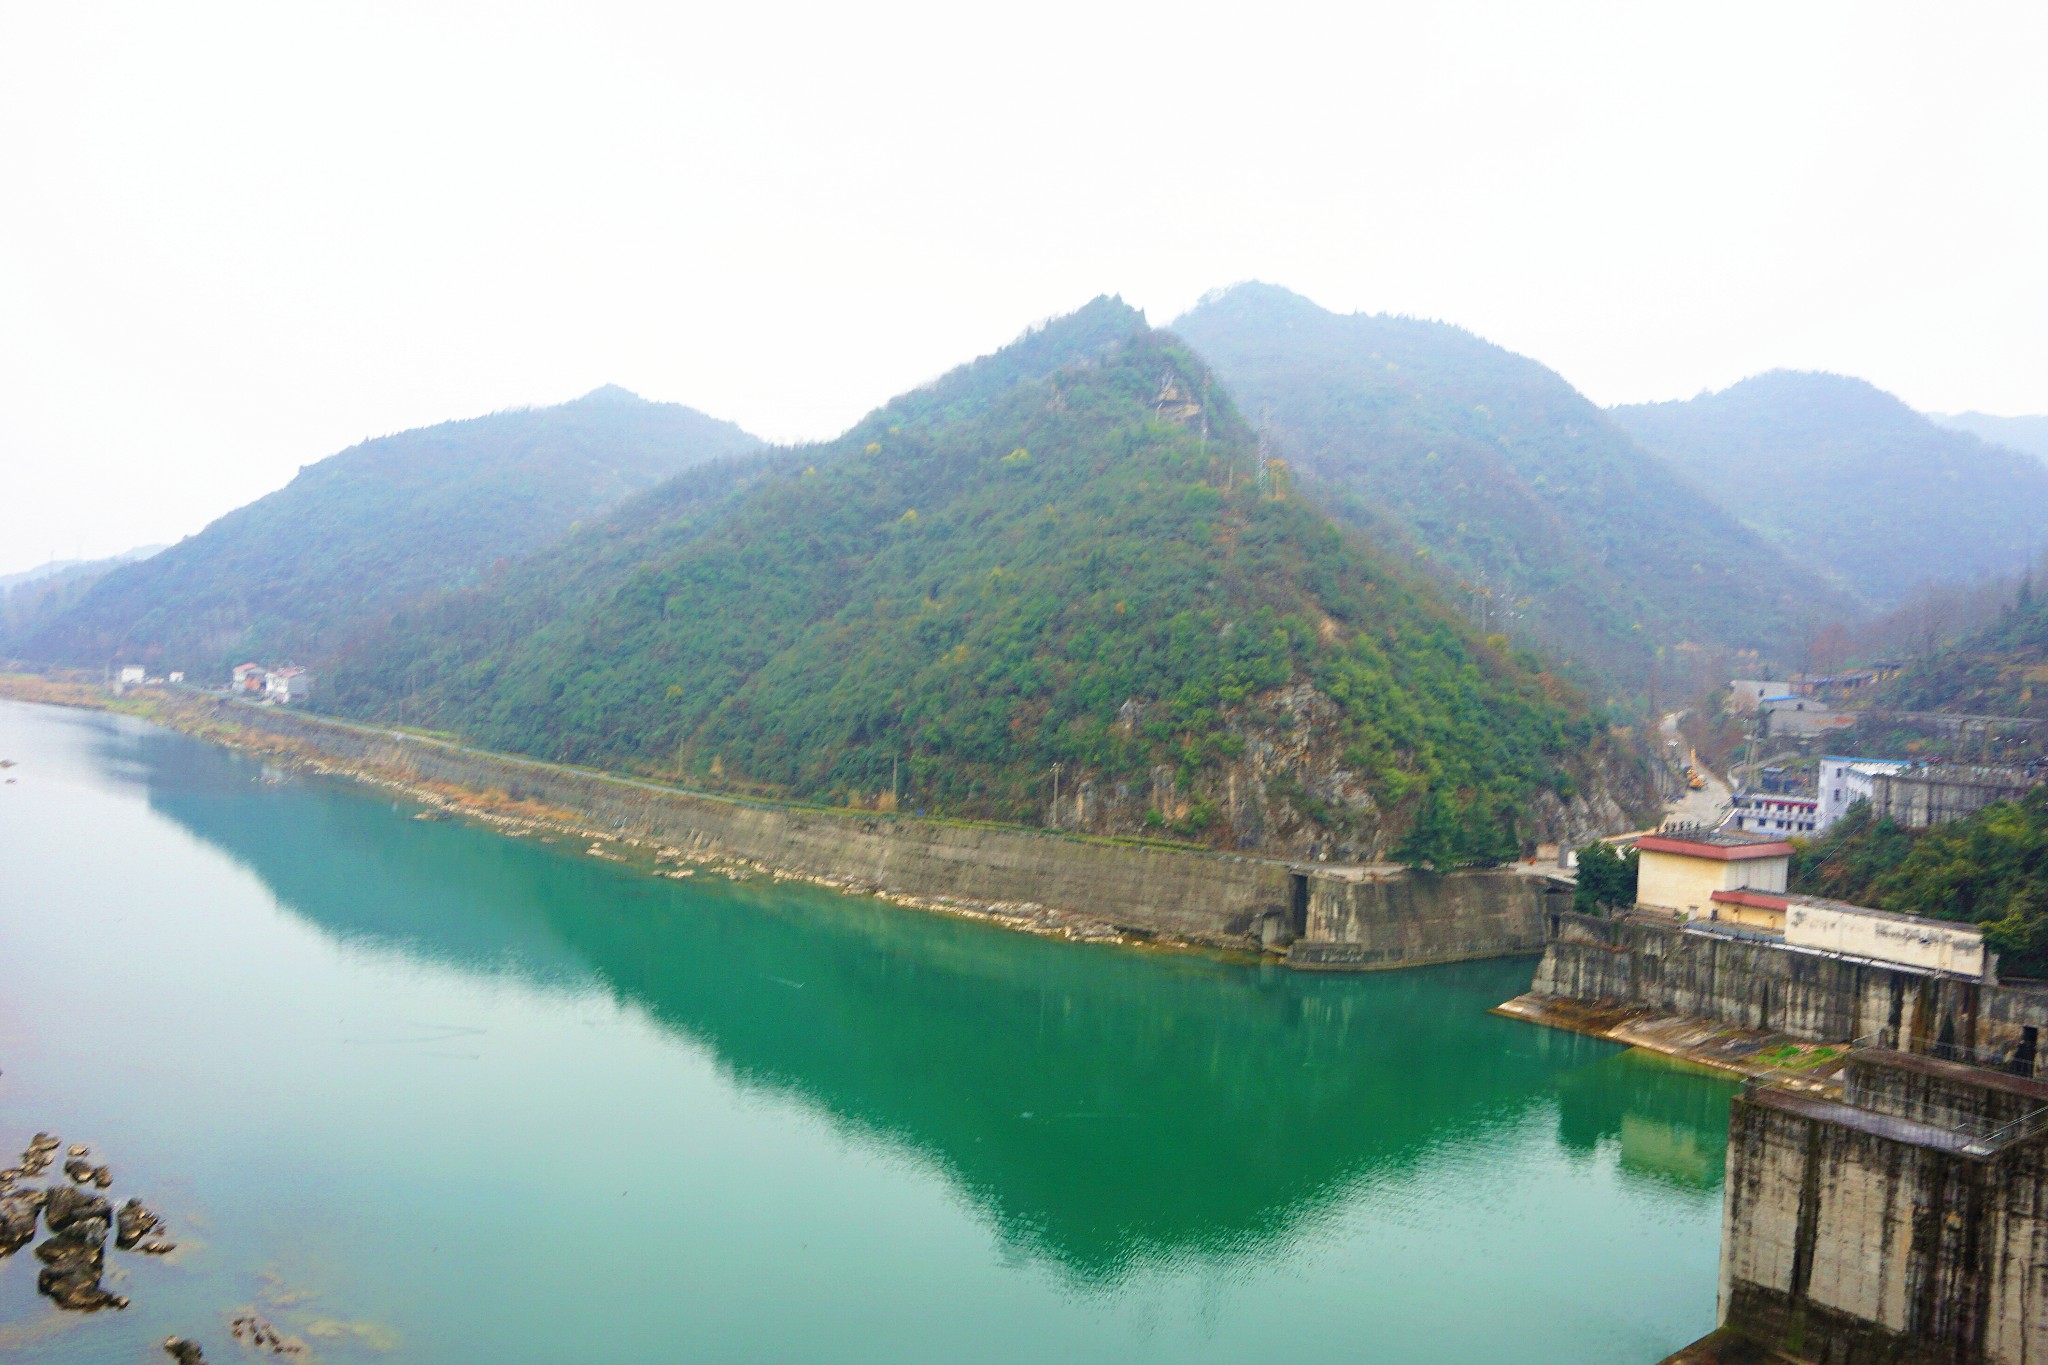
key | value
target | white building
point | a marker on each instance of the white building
(1845, 781)
(287, 685)
(132, 675)
(1773, 814)
(1858, 931)
(1747, 694)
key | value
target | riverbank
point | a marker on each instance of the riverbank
(510, 809)
(1131, 892)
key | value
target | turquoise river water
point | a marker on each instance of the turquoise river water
(419, 1091)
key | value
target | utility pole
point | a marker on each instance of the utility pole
(894, 800)
(1055, 796)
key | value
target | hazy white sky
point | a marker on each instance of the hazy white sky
(236, 238)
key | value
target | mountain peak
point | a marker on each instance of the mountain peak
(610, 393)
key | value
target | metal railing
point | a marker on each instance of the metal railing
(1977, 1137)
(2016, 1061)
(1983, 1142)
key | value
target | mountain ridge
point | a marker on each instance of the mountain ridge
(1859, 486)
(1060, 554)
(291, 574)
(1508, 484)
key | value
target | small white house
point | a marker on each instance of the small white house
(176, 676)
(286, 685)
(132, 675)
(1844, 782)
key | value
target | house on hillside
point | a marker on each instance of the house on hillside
(132, 675)
(1746, 695)
(285, 685)
(247, 678)
(1845, 781)
(1772, 813)
(1794, 715)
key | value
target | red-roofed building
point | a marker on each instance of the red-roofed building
(1680, 871)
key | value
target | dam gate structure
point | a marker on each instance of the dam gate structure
(1901, 1222)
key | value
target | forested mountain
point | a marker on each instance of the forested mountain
(1058, 555)
(2001, 670)
(293, 574)
(1851, 482)
(1518, 492)
(2026, 434)
(30, 598)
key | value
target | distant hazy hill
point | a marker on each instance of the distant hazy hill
(71, 568)
(1505, 478)
(2028, 434)
(2001, 670)
(33, 596)
(1054, 555)
(293, 574)
(1852, 482)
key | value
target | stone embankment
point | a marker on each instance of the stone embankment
(1631, 979)
(1121, 890)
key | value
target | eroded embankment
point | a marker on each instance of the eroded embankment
(1042, 882)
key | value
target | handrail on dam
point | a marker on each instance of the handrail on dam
(1977, 1137)
(1887, 1040)
(2025, 1126)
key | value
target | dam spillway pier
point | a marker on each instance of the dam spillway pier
(1886, 1207)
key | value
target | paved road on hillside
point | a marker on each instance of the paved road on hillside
(1708, 806)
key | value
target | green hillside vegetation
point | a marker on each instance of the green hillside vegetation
(36, 596)
(2001, 670)
(1057, 555)
(1517, 493)
(1852, 483)
(1990, 868)
(294, 574)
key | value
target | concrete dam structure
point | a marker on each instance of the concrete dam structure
(1757, 983)
(1903, 1223)
(1895, 1213)
(1323, 917)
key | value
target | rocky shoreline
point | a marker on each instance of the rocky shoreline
(203, 719)
(76, 1222)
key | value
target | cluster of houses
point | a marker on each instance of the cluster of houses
(1725, 881)
(1915, 795)
(135, 675)
(1912, 794)
(280, 685)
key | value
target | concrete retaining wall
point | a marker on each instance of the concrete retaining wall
(1945, 1094)
(1209, 898)
(1764, 986)
(1403, 921)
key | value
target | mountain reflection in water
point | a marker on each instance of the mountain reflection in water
(1107, 1109)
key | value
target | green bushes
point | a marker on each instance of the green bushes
(1989, 868)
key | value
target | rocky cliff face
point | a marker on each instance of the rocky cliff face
(1288, 793)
